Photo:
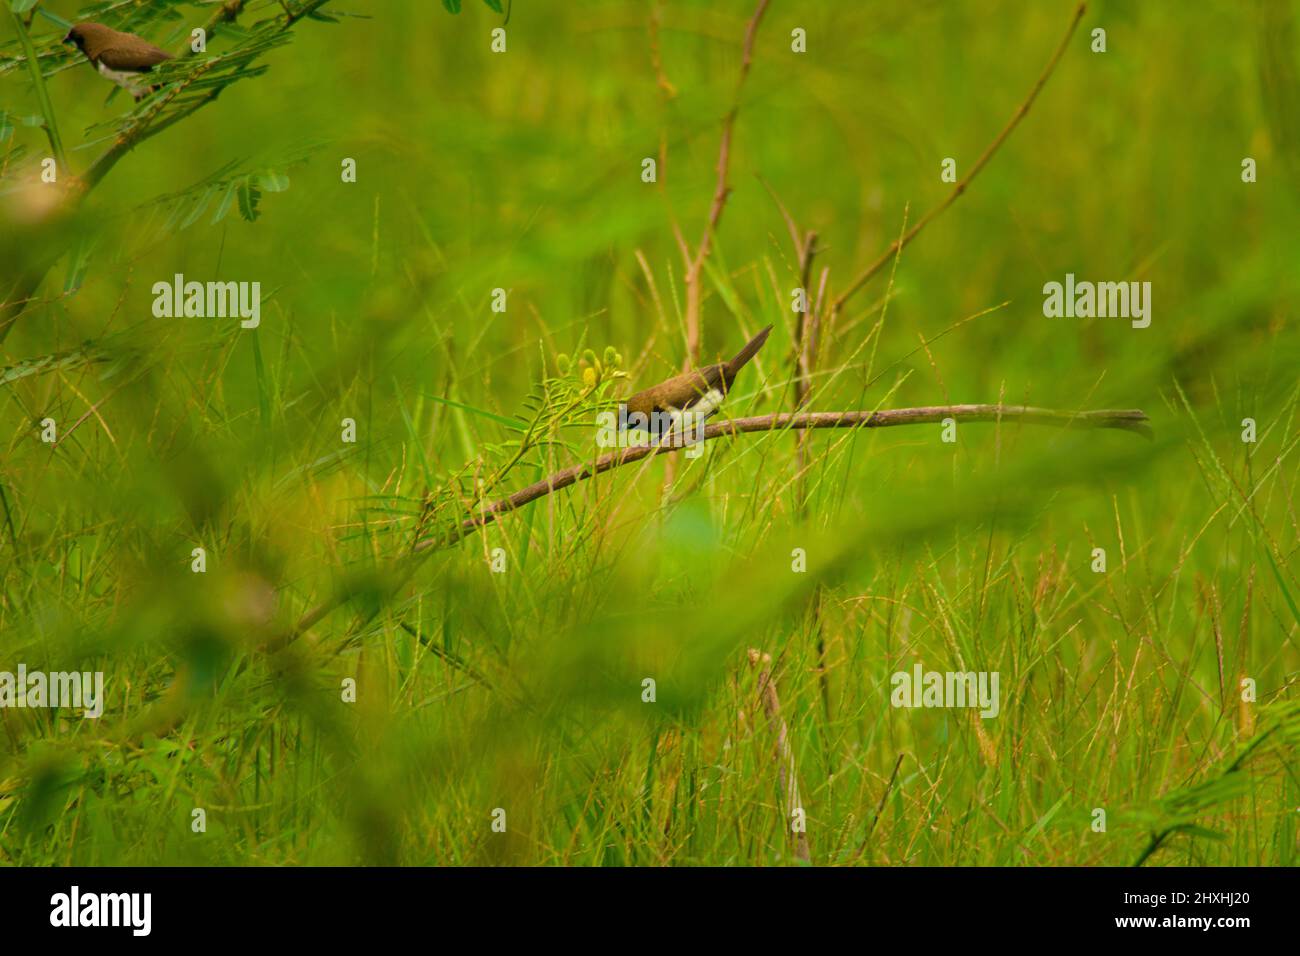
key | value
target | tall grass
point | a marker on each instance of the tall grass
(523, 690)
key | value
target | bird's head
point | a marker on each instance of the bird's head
(81, 33)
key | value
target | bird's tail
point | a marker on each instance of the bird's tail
(748, 352)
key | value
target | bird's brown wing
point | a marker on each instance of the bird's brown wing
(714, 376)
(678, 393)
(134, 57)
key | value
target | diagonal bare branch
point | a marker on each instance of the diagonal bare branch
(1021, 112)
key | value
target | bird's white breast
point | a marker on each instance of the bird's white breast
(122, 78)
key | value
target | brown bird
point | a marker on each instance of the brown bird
(121, 57)
(702, 389)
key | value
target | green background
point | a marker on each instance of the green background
(523, 690)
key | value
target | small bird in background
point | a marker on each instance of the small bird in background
(700, 390)
(121, 57)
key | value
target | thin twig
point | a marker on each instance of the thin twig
(656, 57)
(805, 356)
(694, 264)
(889, 788)
(720, 193)
(403, 567)
(804, 359)
(1129, 420)
(1023, 110)
(787, 773)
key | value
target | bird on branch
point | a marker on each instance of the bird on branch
(700, 391)
(120, 57)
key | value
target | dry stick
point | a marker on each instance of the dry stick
(404, 566)
(960, 188)
(695, 263)
(1126, 419)
(720, 193)
(814, 341)
(807, 316)
(805, 351)
(786, 770)
(804, 357)
(656, 58)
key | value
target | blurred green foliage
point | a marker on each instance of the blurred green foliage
(523, 690)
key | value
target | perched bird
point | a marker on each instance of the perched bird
(121, 57)
(700, 390)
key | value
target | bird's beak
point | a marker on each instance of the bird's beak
(68, 38)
